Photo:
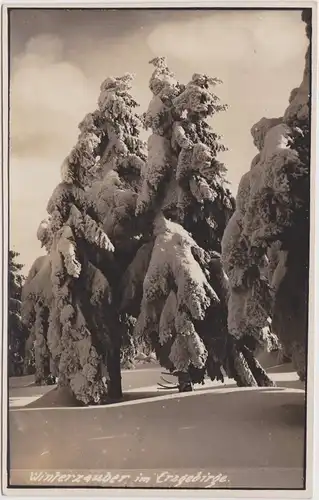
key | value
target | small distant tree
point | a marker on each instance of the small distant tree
(17, 333)
(35, 313)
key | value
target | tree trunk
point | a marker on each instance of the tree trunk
(257, 370)
(42, 369)
(185, 382)
(241, 371)
(114, 368)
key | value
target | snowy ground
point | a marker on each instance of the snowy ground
(140, 382)
(253, 437)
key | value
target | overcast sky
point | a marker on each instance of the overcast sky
(59, 58)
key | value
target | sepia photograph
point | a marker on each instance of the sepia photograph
(156, 254)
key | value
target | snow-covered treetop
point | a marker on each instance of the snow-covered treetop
(118, 83)
(112, 128)
(197, 99)
(182, 173)
(162, 79)
(121, 146)
(204, 81)
(260, 129)
(115, 96)
(122, 158)
(108, 141)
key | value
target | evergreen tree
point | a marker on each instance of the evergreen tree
(16, 330)
(35, 298)
(178, 280)
(270, 230)
(70, 296)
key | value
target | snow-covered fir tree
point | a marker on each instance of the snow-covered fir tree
(177, 276)
(266, 243)
(17, 333)
(70, 294)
